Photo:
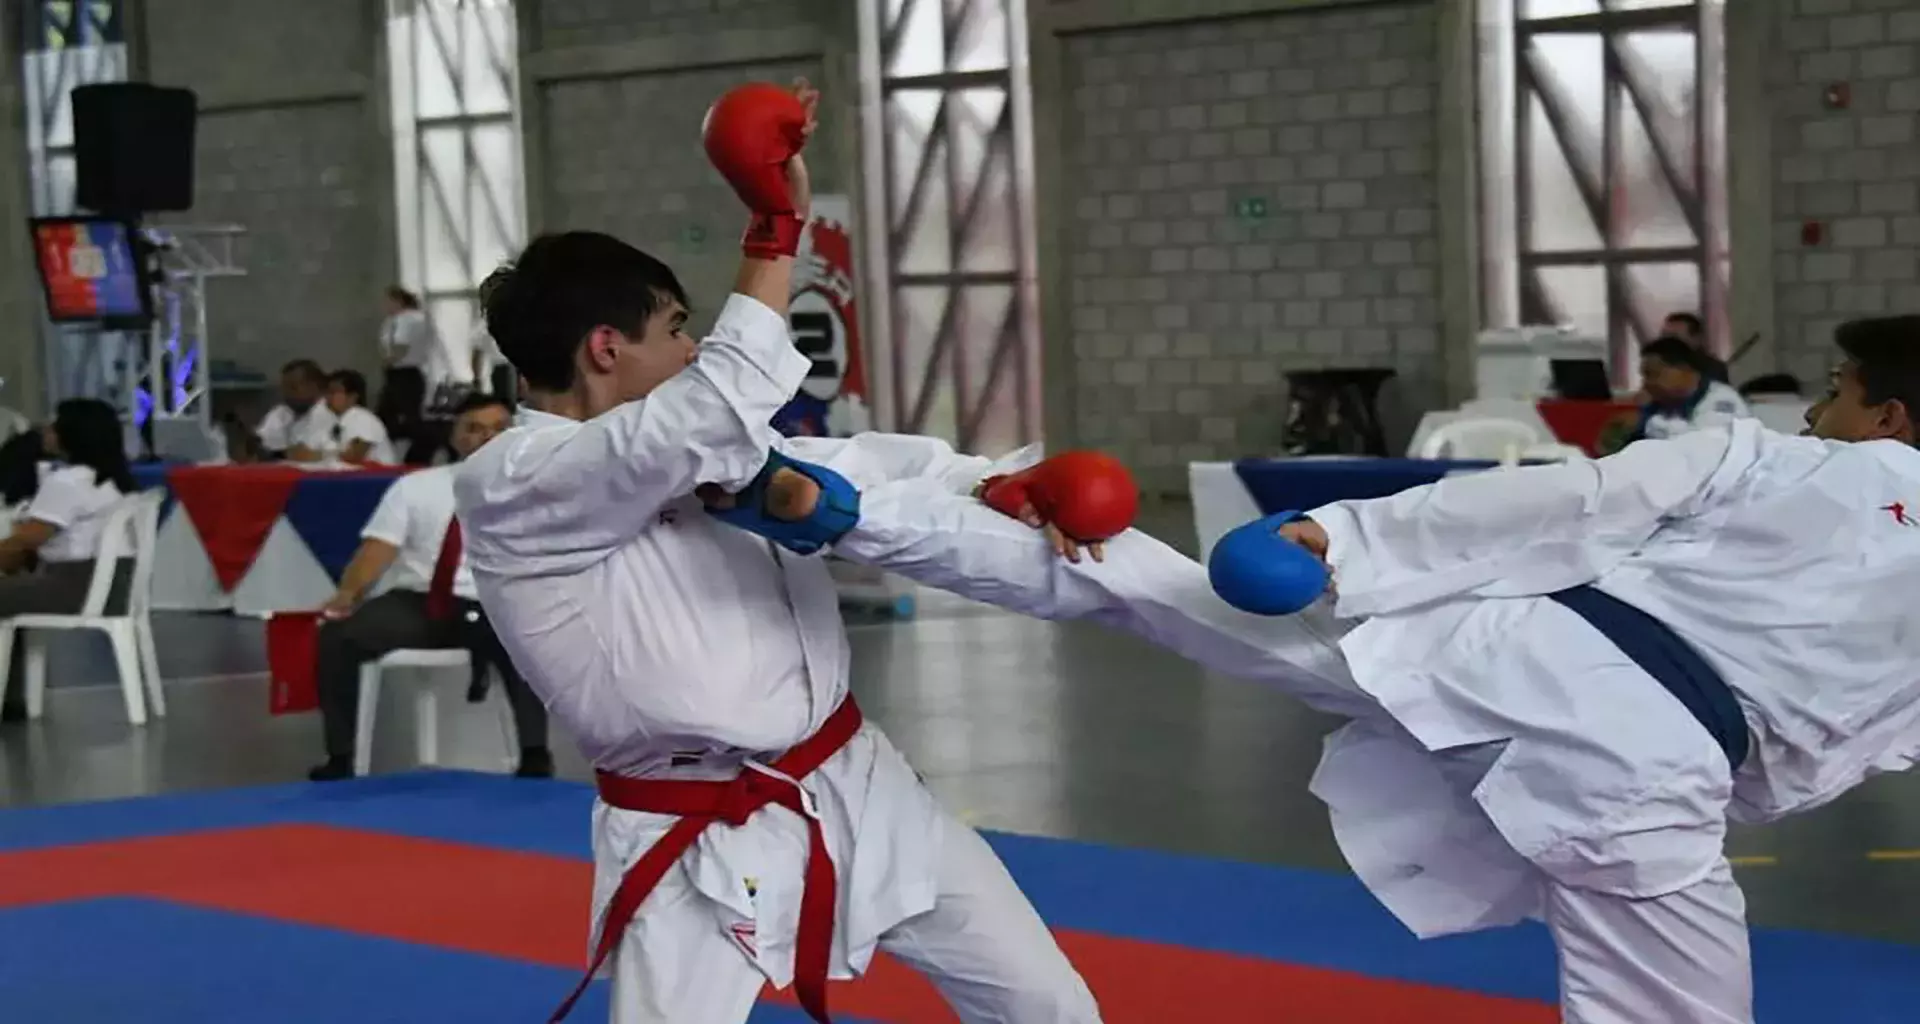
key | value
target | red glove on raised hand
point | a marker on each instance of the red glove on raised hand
(1089, 496)
(751, 135)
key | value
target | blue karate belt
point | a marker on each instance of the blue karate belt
(837, 511)
(1660, 652)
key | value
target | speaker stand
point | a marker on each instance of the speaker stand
(174, 380)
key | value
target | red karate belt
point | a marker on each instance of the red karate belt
(701, 803)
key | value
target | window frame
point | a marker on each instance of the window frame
(1513, 84)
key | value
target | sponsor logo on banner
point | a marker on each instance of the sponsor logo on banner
(824, 319)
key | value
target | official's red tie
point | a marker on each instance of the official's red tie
(440, 590)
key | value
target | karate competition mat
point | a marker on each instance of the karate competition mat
(449, 896)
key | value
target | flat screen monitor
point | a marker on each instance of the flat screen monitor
(1582, 379)
(92, 271)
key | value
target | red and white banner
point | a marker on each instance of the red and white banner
(825, 321)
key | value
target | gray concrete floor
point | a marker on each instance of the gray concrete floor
(1019, 725)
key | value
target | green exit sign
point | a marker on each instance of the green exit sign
(1251, 207)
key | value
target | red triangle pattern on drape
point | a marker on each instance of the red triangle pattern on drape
(233, 508)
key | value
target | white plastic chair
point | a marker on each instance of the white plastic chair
(426, 705)
(1479, 439)
(134, 519)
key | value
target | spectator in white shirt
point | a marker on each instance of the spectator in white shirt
(1681, 394)
(407, 546)
(47, 558)
(299, 428)
(358, 435)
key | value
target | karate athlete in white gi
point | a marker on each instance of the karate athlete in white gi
(1507, 757)
(764, 831)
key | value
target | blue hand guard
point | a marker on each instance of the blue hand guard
(837, 511)
(1256, 570)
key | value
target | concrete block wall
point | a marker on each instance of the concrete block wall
(22, 303)
(620, 88)
(290, 146)
(566, 23)
(623, 156)
(1248, 195)
(1855, 171)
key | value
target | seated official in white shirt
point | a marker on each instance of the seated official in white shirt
(299, 428)
(1681, 394)
(46, 561)
(412, 543)
(358, 436)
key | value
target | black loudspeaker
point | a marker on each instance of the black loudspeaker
(133, 147)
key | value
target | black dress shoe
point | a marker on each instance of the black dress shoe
(535, 763)
(334, 770)
(13, 713)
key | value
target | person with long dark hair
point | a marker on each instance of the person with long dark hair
(46, 562)
(20, 459)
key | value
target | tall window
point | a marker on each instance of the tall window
(1604, 150)
(949, 210)
(458, 181)
(67, 45)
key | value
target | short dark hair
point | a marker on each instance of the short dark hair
(1674, 352)
(541, 306)
(1885, 353)
(1771, 384)
(479, 400)
(405, 298)
(1695, 326)
(20, 459)
(306, 369)
(353, 382)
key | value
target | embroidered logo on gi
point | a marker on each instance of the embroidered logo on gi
(1899, 512)
(669, 516)
(753, 886)
(745, 934)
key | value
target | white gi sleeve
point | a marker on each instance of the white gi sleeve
(871, 459)
(1530, 530)
(927, 533)
(557, 500)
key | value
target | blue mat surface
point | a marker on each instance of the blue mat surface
(175, 963)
